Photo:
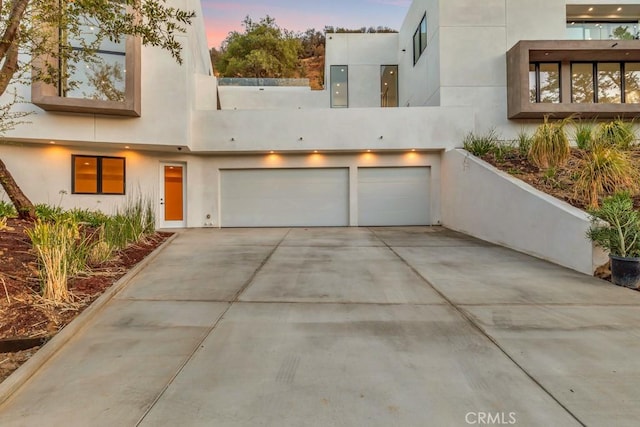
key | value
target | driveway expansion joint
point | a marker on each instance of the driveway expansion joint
(472, 322)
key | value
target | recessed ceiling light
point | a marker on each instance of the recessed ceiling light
(619, 9)
(590, 9)
(271, 152)
(126, 147)
(368, 151)
(52, 142)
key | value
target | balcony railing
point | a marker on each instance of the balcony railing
(247, 81)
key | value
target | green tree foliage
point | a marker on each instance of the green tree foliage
(312, 43)
(262, 50)
(214, 54)
(55, 32)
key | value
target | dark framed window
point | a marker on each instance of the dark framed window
(339, 75)
(388, 85)
(97, 174)
(605, 82)
(544, 82)
(420, 39)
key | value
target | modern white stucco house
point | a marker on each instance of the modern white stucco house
(375, 148)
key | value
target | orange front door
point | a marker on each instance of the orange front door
(173, 203)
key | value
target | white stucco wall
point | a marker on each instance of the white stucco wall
(52, 164)
(167, 96)
(364, 54)
(479, 200)
(420, 82)
(347, 129)
(271, 98)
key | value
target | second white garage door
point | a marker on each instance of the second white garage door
(284, 197)
(393, 196)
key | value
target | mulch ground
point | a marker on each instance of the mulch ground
(560, 185)
(24, 314)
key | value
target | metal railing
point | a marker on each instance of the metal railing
(248, 81)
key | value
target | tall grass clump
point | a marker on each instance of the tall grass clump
(604, 170)
(583, 134)
(131, 223)
(7, 210)
(523, 142)
(616, 133)
(480, 145)
(550, 145)
(53, 242)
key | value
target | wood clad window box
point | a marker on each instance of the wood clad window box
(47, 96)
(527, 57)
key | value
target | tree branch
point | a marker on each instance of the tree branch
(9, 67)
(11, 32)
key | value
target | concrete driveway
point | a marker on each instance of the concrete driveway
(414, 326)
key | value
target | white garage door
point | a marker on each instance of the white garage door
(284, 197)
(393, 196)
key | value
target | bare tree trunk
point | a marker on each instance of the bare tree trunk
(23, 205)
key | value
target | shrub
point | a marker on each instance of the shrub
(480, 145)
(604, 170)
(88, 217)
(620, 235)
(617, 133)
(583, 134)
(7, 210)
(550, 145)
(48, 213)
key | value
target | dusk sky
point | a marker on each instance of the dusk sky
(223, 16)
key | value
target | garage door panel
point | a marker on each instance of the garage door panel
(394, 196)
(284, 197)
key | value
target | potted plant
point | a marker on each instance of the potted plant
(615, 227)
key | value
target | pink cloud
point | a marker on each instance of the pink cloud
(399, 3)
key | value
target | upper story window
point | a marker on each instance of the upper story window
(544, 82)
(588, 78)
(106, 82)
(420, 39)
(602, 30)
(389, 86)
(339, 77)
(605, 82)
(101, 79)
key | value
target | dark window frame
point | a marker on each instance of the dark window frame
(98, 174)
(346, 67)
(418, 35)
(537, 64)
(594, 74)
(397, 81)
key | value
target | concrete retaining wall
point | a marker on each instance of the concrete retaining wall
(484, 202)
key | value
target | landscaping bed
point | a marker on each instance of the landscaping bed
(560, 185)
(25, 314)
